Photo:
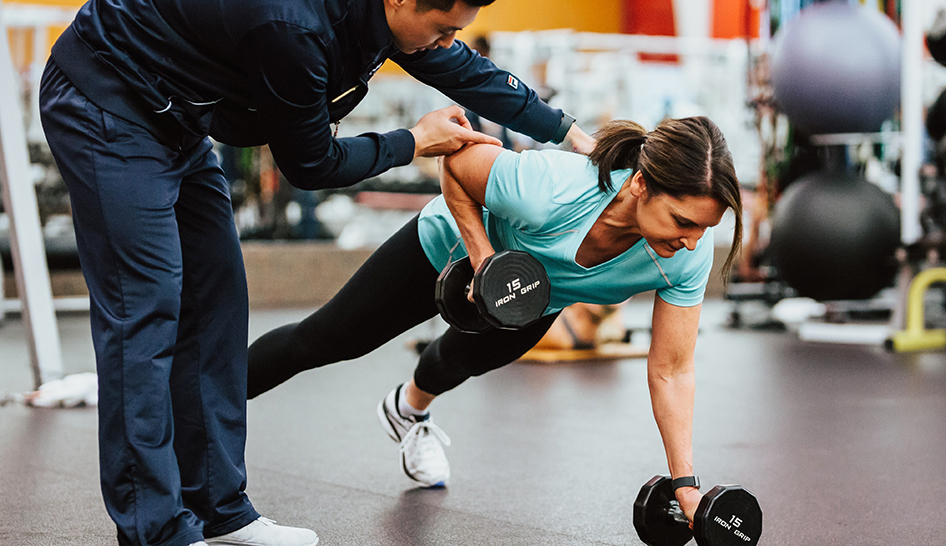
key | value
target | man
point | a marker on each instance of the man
(131, 92)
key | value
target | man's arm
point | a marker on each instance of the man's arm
(476, 83)
(289, 73)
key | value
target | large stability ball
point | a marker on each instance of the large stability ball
(836, 69)
(936, 118)
(834, 237)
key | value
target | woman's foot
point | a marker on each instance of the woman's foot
(421, 442)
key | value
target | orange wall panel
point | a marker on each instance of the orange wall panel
(735, 19)
(518, 15)
(54, 3)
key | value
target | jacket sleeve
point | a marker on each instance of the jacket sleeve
(476, 83)
(288, 72)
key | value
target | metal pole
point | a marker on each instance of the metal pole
(26, 236)
(911, 116)
(3, 311)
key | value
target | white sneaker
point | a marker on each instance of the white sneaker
(265, 532)
(201, 543)
(421, 443)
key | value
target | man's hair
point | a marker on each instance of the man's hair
(447, 5)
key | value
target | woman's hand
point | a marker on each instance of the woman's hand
(689, 499)
(477, 257)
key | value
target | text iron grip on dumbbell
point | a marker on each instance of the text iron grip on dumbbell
(727, 516)
(511, 290)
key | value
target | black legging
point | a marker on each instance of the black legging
(392, 292)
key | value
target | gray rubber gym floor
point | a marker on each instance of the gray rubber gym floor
(841, 444)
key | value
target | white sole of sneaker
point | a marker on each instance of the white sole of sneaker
(438, 485)
(234, 543)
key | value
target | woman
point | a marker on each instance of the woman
(636, 215)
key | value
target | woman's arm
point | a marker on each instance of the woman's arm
(671, 378)
(463, 177)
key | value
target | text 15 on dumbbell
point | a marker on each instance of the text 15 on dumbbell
(511, 290)
(515, 287)
(728, 515)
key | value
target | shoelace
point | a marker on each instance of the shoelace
(417, 430)
(266, 521)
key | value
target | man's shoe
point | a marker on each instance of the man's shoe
(421, 443)
(265, 532)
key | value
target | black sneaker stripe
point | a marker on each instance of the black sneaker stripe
(387, 415)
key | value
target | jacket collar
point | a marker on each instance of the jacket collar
(377, 40)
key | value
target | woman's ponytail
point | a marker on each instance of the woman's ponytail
(618, 147)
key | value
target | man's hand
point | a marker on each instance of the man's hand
(577, 140)
(445, 131)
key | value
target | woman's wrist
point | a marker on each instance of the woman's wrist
(685, 481)
(478, 252)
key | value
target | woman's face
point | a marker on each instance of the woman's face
(670, 224)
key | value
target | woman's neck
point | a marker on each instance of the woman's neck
(621, 212)
(613, 233)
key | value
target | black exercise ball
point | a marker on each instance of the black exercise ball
(836, 69)
(936, 38)
(834, 237)
(936, 118)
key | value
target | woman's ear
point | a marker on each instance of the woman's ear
(637, 185)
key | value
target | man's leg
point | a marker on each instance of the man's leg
(123, 186)
(208, 376)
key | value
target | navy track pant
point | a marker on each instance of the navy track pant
(162, 260)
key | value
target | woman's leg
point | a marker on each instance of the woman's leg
(455, 356)
(392, 292)
(445, 363)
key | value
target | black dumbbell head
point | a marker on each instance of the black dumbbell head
(450, 295)
(652, 515)
(728, 515)
(511, 289)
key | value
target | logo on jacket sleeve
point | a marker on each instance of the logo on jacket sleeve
(511, 81)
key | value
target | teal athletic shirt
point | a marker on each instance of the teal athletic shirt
(544, 202)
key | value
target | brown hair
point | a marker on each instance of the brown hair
(681, 157)
(447, 5)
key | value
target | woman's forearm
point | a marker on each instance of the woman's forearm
(672, 400)
(468, 214)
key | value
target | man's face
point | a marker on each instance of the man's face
(416, 30)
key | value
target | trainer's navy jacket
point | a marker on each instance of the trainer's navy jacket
(249, 72)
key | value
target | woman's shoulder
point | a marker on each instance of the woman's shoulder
(571, 174)
(556, 157)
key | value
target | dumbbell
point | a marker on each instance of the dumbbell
(511, 290)
(727, 515)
